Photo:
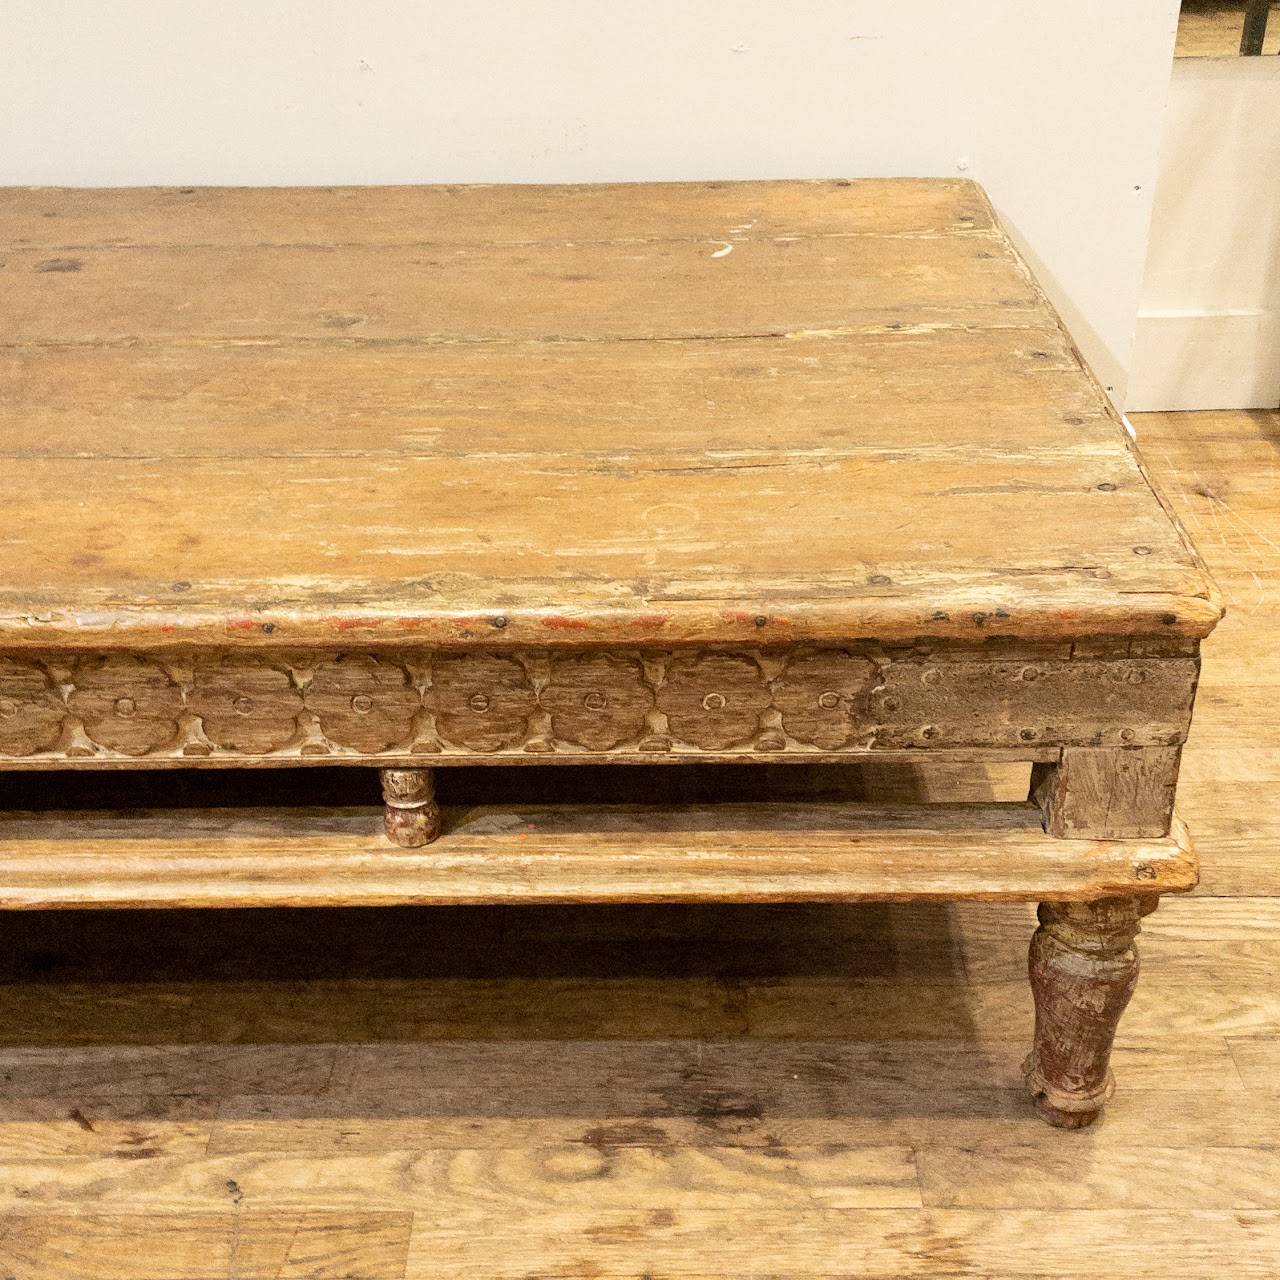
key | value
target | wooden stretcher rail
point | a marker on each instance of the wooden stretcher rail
(623, 853)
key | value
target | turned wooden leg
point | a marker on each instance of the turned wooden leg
(1084, 967)
(413, 817)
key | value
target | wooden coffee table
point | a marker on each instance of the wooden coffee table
(407, 478)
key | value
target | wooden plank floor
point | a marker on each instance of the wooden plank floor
(1212, 29)
(783, 1091)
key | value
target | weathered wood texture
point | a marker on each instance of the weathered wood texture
(491, 416)
(563, 1091)
(582, 853)
(1084, 967)
(1112, 793)
(412, 816)
(630, 703)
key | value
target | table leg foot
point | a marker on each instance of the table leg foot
(1083, 967)
(412, 816)
(1058, 1118)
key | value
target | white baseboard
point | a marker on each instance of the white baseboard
(1229, 360)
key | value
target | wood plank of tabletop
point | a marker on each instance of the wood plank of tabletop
(638, 538)
(588, 291)
(733, 401)
(68, 218)
(515, 390)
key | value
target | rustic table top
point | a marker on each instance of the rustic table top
(646, 414)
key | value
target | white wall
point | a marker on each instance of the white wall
(1056, 107)
(1209, 320)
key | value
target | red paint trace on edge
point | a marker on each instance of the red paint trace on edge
(561, 623)
(347, 624)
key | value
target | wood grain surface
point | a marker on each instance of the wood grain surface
(498, 1069)
(1084, 967)
(640, 415)
(563, 1091)
(451, 706)
(1115, 793)
(579, 853)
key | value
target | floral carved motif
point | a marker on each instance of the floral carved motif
(597, 700)
(130, 705)
(482, 701)
(31, 712)
(246, 707)
(713, 700)
(411, 704)
(362, 702)
(819, 697)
